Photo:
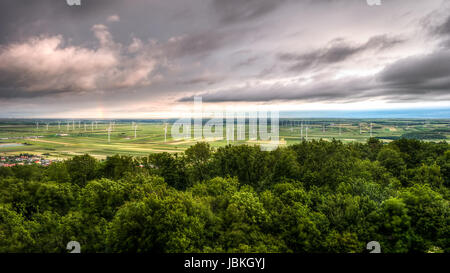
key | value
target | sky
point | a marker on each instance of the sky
(150, 58)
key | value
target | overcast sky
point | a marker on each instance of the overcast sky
(145, 58)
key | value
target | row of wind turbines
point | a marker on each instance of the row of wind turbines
(70, 125)
(111, 127)
(305, 126)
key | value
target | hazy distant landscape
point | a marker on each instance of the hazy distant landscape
(63, 141)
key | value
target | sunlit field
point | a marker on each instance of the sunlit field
(74, 138)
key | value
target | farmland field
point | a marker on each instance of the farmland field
(67, 138)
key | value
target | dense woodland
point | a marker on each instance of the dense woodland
(315, 196)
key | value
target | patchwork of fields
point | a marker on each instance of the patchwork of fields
(73, 138)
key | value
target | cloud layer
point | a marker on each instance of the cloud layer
(160, 53)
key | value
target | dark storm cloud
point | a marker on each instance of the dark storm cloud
(444, 28)
(336, 51)
(419, 75)
(14, 93)
(415, 78)
(338, 90)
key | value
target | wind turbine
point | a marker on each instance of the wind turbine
(37, 125)
(165, 133)
(109, 134)
(59, 125)
(301, 130)
(135, 128)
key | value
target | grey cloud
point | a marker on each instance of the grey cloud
(444, 28)
(445, 44)
(338, 90)
(417, 78)
(169, 49)
(419, 75)
(196, 44)
(22, 18)
(208, 80)
(44, 63)
(232, 11)
(336, 51)
(248, 61)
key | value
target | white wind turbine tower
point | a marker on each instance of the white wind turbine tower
(165, 132)
(68, 126)
(135, 128)
(306, 132)
(109, 134)
(92, 126)
(229, 131)
(84, 126)
(47, 126)
(37, 125)
(59, 125)
(73, 124)
(360, 130)
(301, 130)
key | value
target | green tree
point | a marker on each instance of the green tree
(14, 236)
(197, 158)
(58, 172)
(391, 160)
(82, 169)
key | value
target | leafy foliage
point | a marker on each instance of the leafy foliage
(315, 196)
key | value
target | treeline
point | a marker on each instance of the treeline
(424, 135)
(315, 196)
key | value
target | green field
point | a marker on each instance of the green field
(150, 138)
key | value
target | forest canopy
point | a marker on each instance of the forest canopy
(316, 196)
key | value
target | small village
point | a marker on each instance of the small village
(23, 159)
